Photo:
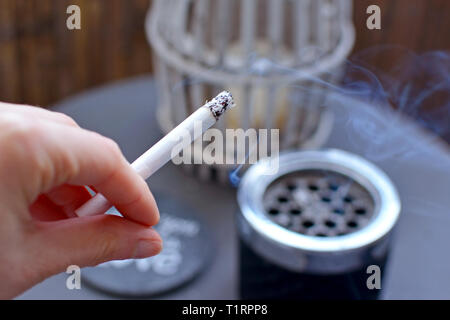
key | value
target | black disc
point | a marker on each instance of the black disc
(186, 251)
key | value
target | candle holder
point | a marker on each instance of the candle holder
(273, 55)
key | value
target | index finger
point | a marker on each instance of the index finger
(81, 157)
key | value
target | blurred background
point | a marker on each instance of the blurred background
(41, 61)
(405, 65)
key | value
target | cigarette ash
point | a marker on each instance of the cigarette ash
(221, 103)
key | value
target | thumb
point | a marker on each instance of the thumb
(89, 241)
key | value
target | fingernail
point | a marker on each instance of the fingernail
(146, 248)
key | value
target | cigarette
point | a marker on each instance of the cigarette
(161, 153)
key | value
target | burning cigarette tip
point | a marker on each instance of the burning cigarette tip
(221, 103)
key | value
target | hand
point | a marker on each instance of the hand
(45, 160)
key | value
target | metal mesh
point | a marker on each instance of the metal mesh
(318, 203)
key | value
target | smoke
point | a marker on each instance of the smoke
(407, 84)
(379, 88)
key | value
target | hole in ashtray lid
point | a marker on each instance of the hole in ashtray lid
(295, 211)
(330, 224)
(308, 223)
(273, 211)
(333, 186)
(291, 186)
(352, 224)
(314, 203)
(348, 199)
(320, 234)
(339, 211)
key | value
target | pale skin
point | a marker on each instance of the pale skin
(46, 159)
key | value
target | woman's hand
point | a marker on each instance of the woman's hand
(45, 160)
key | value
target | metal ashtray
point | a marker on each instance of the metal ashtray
(325, 214)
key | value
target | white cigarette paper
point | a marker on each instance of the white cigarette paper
(161, 153)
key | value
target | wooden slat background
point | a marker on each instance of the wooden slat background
(41, 61)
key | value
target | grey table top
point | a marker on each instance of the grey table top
(418, 164)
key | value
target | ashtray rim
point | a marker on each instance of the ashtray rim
(255, 182)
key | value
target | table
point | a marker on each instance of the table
(418, 164)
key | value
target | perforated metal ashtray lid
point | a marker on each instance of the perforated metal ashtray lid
(319, 201)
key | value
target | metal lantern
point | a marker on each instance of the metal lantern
(271, 54)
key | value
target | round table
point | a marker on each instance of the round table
(418, 164)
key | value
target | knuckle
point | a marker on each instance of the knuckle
(114, 154)
(66, 166)
(113, 147)
(21, 141)
(27, 146)
(106, 249)
(110, 240)
(17, 128)
(20, 135)
(66, 119)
